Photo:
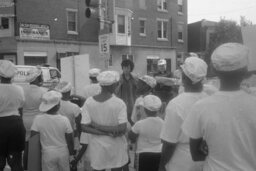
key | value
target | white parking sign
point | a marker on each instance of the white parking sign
(104, 44)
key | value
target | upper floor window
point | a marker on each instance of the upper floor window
(162, 29)
(162, 5)
(180, 7)
(4, 24)
(180, 33)
(72, 21)
(142, 26)
(121, 24)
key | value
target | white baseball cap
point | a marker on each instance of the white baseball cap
(106, 78)
(33, 74)
(94, 72)
(49, 100)
(195, 69)
(161, 62)
(151, 81)
(230, 57)
(152, 103)
(7, 69)
(63, 87)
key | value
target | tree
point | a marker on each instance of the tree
(225, 31)
(244, 22)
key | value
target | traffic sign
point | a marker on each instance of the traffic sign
(104, 44)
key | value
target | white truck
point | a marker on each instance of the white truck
(51, 75)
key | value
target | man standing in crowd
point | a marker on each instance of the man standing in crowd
(126, 90)
(226, 120)
(93, 88)
(12, 131)
(175, 151)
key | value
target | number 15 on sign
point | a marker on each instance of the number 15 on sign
(104, 44)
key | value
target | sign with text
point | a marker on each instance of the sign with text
(104, 44)
(34, 31)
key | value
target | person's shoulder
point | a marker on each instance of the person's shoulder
(117, 100)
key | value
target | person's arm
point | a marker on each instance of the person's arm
(70, 143)
(198, 149)
(116, 130)
(79, 156)
(89, 129)
(78, 124)
(133, 136)
(33, 133)
(167, 153)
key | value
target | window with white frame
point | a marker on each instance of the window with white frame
(121, 24)
(180, 6)
(4, 23)
(72, 21)
(162, 5)
(142, 25)
(180, 33)
(162, 29)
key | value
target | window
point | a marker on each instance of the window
(180, 33)
(4, 23)
(180, 7)
(72, 21)
(121, 24)
(130, 57)
(162, 29)
(162, 5)
(142, 27)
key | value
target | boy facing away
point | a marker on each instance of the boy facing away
(55, 134)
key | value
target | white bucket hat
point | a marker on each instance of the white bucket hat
(94, 72)
(152, 103)
(49, 100)
(63, 87)
(195, 69)
(161, 62)
(151, 81)
(7, 69)
(230, 57)
(107, 78)
(33, 74)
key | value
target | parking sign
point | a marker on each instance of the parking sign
(104, 44)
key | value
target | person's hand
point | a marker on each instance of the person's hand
(204, 148)
(73, 163)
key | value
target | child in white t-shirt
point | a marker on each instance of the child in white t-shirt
(147, 134)
(56, 135)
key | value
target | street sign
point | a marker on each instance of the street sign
(104, 44)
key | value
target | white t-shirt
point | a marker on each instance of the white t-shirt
(33, 95)
(91, 90)
(11, 99)
(227, 121)
(104, 151)
(177, 111)
(70, 110)
(52, 129)
(149, 130)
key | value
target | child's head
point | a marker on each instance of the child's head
(145, 85)
(64, 87)
(50, 102)
(152, 104)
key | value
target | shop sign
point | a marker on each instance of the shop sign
(34, 31)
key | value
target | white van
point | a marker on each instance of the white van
(51, 75)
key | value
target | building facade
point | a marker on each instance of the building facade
(148, 30)
(199, 36)
(34, 32)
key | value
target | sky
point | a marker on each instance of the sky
(215, 9)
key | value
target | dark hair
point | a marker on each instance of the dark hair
(150, 113)
(6, 80)
(188, 84)
(126, 63)
(236, 76)
(54, 109)
(93, 79)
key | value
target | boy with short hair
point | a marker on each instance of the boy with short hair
(147, 134)
(55, 134)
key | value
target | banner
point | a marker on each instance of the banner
(34, 31)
